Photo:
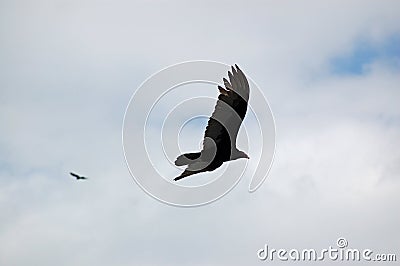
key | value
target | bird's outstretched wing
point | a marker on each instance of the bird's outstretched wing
(74, 175)
(230, 110)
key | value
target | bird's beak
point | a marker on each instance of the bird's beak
(247, 156)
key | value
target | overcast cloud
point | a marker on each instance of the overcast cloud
(330, 71)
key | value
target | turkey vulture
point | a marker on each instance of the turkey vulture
(219, 144)
(78, 177)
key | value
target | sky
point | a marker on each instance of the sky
(329, 69)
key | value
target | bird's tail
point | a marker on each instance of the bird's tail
(185, 174)
(187, 158)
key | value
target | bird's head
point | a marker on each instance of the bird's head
(239, 154)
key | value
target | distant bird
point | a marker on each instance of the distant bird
(219, 144)
(78, 177)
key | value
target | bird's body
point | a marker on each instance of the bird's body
(219, 144)
(78, 177)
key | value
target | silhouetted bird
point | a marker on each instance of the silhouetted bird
(219, 144)
(78, 177)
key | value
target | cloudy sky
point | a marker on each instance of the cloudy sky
(330, 71)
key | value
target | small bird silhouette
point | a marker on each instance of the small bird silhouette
(78, 177)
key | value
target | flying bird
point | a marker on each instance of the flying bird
(219, 143)
(78, 177)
